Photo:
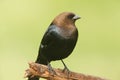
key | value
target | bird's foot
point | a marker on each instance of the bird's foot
(66, 71)
(51, 70)
(65, 67)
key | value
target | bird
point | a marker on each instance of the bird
(59, 40)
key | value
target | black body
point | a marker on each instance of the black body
(54, 46)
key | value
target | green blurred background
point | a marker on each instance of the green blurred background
(23, 23)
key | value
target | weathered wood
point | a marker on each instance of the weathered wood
(43, 72)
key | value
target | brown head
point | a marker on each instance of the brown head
(66, 19)
(66, 22)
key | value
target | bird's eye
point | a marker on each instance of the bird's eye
(70, 16)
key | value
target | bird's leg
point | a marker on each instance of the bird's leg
(65, 68)
(51, 69)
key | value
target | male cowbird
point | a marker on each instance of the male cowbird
(59, 40)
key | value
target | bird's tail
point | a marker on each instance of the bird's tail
(33, 78)
(41, 60)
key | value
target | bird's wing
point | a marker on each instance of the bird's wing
(50, 36)
(46, 43)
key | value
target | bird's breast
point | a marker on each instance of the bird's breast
(67, 33)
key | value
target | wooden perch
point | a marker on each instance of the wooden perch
(43, 72)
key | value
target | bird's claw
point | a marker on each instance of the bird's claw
(66, 71)
(51, 70)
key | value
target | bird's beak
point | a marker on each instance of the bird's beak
(76, 17)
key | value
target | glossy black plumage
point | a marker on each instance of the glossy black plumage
(59, 40)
